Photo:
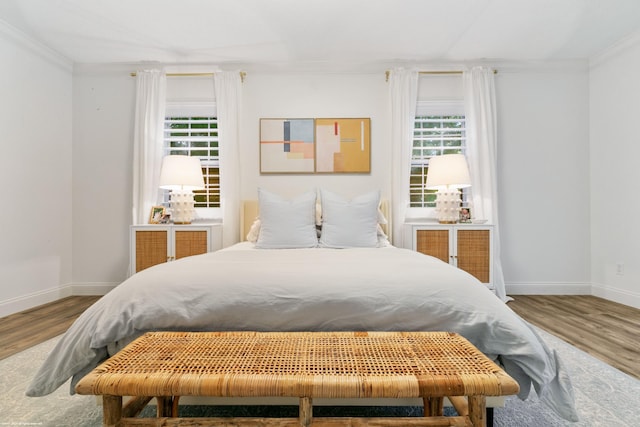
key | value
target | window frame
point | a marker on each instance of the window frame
(440, 108)
(192, 110)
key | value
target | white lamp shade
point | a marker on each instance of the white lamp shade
(448, 171)
(181, 173)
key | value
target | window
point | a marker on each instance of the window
(433, 135)
(196, 136)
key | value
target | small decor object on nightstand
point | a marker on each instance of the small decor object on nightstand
(156, 215)
(447, 174)
(465, 215)
(181, 175)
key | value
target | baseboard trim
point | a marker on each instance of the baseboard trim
(617, 295)
(548, 288)
(26, 302)
(93, 288)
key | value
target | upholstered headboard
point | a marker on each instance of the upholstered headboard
(250, 212)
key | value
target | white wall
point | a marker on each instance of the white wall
(315, 96)
(543, 174)
(615, 150)
(103, 113)
(35, 171)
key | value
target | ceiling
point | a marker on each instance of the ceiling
(330, 33)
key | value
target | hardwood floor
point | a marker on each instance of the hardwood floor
(604, 329)
(22, 330)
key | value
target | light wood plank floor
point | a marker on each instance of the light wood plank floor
(604, 329)
(22, 330)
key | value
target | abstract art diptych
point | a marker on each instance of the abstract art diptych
(315, 145)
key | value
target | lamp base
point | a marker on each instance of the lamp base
(448, 206)
(182, 206)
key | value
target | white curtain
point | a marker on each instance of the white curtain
(403, 96)
(228, 87)
(482, 155)
(147, 142)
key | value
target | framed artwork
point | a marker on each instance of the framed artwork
(287, 146)
(343, 145)
(157, 214)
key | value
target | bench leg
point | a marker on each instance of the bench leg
(174, 406)
(165, 406)
(461, 405)
(111, 410)
(433, 406)
(306, 411)
(477, 411)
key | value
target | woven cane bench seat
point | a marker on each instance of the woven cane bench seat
(306, 365)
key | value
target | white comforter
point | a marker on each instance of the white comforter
(242, 288)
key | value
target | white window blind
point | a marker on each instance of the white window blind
(433, 135)
(196, 136)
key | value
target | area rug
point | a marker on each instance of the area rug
(604, 396)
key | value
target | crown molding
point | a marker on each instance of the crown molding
(620, 47)
(26, 42)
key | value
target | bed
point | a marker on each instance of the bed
(297, 275)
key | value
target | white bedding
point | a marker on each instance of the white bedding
(243, 288)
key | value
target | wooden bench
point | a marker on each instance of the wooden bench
(307, 365)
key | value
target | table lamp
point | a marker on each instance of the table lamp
(181, 175)
(447, 174)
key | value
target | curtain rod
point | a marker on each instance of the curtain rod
(388, 72)
(242, 75)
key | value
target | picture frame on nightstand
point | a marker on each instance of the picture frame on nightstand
(156, 215)
(465, 215)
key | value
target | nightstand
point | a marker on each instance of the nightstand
(466, 246)
(155, 244)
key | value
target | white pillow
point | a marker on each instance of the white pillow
(254, 231)
(381, 218)
(349, 223)
(383, 239)
(287, 223)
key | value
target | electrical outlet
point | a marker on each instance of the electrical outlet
(620, 269)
